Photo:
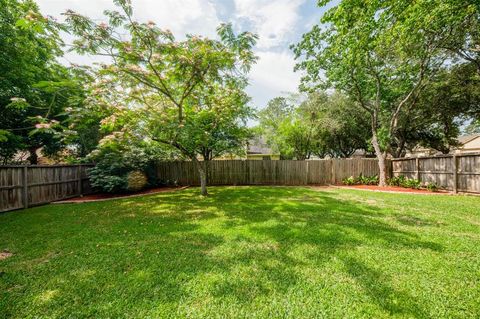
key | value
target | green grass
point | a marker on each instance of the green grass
(245, 252)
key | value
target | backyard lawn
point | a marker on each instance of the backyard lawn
(245, 252)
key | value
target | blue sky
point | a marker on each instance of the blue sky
(279, 23)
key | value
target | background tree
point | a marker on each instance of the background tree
(456, 24)
(376, 54)
(451, 99)
(186, 94)
(318, 124)
(34, 88)
(343, 125)
(276, 114)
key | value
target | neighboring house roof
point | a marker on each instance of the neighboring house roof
(467, 138)
(259, 146)
(462, 144)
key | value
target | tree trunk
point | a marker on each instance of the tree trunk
(203, 182)
(33, 158)
(202, 171)
(382, 165)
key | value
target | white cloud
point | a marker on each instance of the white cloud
(181, 17)
(274, 21)
(272, 76)
(187, 16)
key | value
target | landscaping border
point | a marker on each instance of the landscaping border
(85, 199)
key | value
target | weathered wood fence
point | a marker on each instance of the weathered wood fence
(459, 173)
(252, 172)
(22, 186)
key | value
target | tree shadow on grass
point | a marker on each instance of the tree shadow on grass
(156, 253)
(377, 285)
(287, 218)
(323, 219)
(329, 227)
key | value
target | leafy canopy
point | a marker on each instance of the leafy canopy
(34, 88)
(187, 94)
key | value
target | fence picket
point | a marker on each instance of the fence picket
(458, 172)
(22, 186)
(252, 172)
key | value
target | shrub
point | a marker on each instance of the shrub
(431, 186)
(412, 183)
(105, 179)
(370, 180)
(361, 180)
(349, 181)
(116, 157)
(136, 180)
(397, 180)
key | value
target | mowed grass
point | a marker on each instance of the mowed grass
(245, 252)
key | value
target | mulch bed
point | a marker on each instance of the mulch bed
(394, 189)
(105, 196)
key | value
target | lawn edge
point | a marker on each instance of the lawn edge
(70, 201)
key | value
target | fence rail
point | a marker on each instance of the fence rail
(22, 186)
(251, 172)
(458, 172)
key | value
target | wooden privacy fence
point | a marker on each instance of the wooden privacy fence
(22, 186)
(459, 172)
(253, 172)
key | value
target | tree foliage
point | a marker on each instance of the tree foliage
(187, 94)
(34, 88)
(383, 54)
(451, 98)
(318, 124)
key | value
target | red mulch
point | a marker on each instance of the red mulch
(396, 189)
(105, 196)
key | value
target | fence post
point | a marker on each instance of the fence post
(25, 187)
(333, 171)
(79, 176)
(390, 168)
(455, 174)
(306, 173)
(417, 168)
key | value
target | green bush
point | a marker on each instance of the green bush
(412, 183)
(368, 180)
(116, 157)
(432, 186)
(108, 179)
(403, 181)
(397, 180)
(136, 180)
(361, 180)
(349, 181)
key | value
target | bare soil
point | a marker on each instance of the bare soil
(5, 254)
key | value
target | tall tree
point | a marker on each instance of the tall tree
(343, 125)
(318, 124)
(187, 94)
(456, 24)
(276, 114)
(374, 52)
(34, 88)
(451, 99)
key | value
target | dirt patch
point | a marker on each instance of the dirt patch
(105, 196)
(393, 189)
(5, 254)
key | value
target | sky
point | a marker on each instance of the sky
(278, 23)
